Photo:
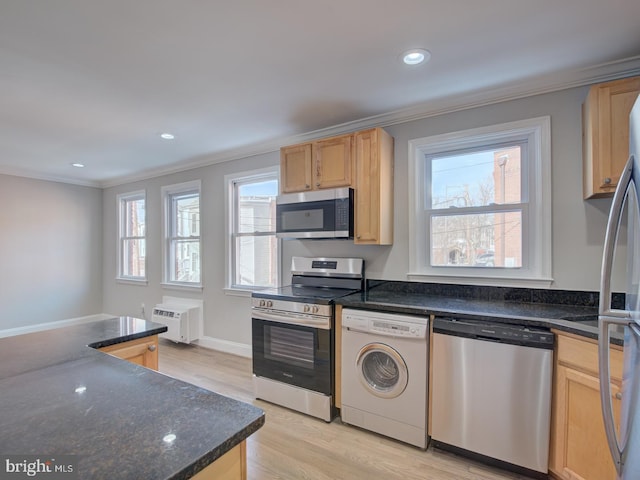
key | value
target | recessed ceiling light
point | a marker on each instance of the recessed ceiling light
(167, 136)
(78, 165)
(416, 56)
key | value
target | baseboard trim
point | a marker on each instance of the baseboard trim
(226, 346)
(10, 332)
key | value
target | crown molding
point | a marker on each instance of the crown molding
(26, 173)
(534, 86)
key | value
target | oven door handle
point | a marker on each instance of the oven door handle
(293, 319)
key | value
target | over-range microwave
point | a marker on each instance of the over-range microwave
(319, 214)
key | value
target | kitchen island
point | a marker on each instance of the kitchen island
(59, 396)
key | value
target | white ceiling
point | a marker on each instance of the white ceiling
(96, 82)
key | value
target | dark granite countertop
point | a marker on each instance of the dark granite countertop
(58, 396)
(575, 316)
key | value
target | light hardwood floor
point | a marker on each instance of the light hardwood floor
(295, 446)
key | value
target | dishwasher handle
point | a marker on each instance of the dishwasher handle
(513, 334)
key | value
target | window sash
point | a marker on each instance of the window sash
(534, 135)
(236, 235)
(522, 143)
(177, 270)
(124, 201)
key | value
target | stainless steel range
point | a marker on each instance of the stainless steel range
(293, 334)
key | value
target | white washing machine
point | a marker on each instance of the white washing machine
(384, 374)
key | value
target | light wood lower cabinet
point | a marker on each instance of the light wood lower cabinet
(231, 466)
(143, 351)
(579, 449)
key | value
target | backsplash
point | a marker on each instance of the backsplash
(504, 294)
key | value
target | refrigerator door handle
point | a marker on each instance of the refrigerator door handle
(613, 226)
(605, 389)
(608, 316)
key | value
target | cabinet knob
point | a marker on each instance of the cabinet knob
(618, 396)
(317, 184)
(358, 237)
(607, 181)
(152, 348)
(307, 186)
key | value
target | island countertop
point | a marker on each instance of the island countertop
(59, 396)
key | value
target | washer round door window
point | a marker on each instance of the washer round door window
(382, 370)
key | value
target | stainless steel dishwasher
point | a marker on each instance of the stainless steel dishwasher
(491, 392)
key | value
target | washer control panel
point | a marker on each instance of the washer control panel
(397, 329)
(393, 325)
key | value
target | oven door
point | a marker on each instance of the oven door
(294, 354)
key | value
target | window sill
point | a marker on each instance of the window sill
(132, 281)
(182, 286)
(237, 292)
(498, 281)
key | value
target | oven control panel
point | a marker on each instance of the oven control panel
(292, 307)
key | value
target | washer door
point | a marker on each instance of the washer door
(382, 370)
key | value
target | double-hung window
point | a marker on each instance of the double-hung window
(481, 204)
(132, 236)
(252, 246)
(182, 246)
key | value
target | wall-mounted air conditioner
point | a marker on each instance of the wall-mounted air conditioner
(182, 321)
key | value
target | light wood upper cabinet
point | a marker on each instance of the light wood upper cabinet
(361, 160)
(579, 449)
(333, 162)
(374, 187)
(605, 130)
(316, 165)
(295, 168)
(143, 351)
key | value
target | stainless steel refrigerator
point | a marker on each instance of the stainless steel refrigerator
(625, 445)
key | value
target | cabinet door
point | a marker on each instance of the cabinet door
(295, 168)
(332, 162)
(581, 450)
(374, 188)
(231, 466)
(606, 134)
(143, 351)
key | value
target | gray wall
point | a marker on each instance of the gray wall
(226, 316)
(578, 226)
(50, 251)
(58, 241)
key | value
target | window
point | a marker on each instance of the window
(253, 249)
(132, 236)
(182, 234)
(481, 204)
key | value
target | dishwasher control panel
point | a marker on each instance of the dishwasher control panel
(497, 332)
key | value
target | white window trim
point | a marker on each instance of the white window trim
(120, 198)
(538, 272)
(166, 191)
(229, 204)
